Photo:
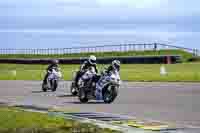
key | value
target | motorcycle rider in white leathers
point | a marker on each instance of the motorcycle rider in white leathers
(115, 66)
(91, 62)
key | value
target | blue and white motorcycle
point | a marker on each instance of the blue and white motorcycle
(108, 86)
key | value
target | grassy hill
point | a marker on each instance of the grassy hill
(184, 54)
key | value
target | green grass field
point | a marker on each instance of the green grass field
(13, 120)
(184, 54)
(134, 72)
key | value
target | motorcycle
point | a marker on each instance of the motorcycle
(87, 75)
(109, 84)
(86, 85)
(52, 80)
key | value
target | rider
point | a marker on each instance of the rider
(91, 62)
(115, 66)
(54, 64)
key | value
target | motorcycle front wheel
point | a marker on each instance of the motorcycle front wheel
(73, 89)
(83, 95)
(44, 87)
(54, 85)
(109, 94)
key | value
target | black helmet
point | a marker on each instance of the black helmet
(116, 64)
(55, 62)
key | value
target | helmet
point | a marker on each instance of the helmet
(54, 61)
(116, 64)
(92, 59)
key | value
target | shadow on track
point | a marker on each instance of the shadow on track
(65, 95)
(37, 91)
(91, 102)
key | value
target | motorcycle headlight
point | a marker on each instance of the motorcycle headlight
(117, 81)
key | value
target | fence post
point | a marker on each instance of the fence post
(41, 51)
(57, 51)
(6, 51)
(155, 47)
(129, 45)
(124, 48)
(38, 51)
(133, 47)
(195, 52)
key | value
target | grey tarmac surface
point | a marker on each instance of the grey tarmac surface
(167, 102)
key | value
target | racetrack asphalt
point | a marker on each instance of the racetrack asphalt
(167, 102)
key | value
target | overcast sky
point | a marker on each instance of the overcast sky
(36, 23)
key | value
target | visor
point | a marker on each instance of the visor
(93, 61)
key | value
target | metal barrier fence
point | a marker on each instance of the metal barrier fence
(101, 48)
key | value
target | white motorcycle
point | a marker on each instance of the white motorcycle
(85, 77)
(86, 85)
(52, 80)
(109, 86)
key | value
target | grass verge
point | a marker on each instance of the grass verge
(134, 72)
(14, 120)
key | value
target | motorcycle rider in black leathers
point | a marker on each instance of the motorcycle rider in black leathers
(91, 62)
(54, 64)
(115, 66)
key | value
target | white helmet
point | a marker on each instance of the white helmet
(116, 64)
(92, 59)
